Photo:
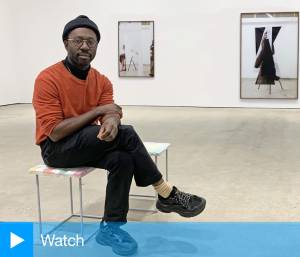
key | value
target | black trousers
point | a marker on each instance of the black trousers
(124, 158)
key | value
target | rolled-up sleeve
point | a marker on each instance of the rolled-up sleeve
(48, 108)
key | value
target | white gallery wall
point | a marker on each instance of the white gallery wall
(9, 87)
(197, 48)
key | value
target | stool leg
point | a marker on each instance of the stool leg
(81, 209)
(167, 161)
(156, 194)
(280, 84)
(71, 197)
(39, 202)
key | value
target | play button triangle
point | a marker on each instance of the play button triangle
(15, 240)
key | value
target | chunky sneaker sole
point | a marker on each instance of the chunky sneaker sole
(100, 239)
(182, 212)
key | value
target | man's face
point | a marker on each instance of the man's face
(81, 53)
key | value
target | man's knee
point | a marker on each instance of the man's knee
(129, 138)
(127, 129)
(89, 133)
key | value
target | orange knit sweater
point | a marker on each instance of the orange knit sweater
(59, 95)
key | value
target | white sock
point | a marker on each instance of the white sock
(164, 189)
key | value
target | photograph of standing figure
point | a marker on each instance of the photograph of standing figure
(265, 38)
(122, 59)
(269, 55)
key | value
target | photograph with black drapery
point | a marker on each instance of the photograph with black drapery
(269, 55)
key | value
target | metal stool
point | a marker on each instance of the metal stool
(70, 173)
(154, 149)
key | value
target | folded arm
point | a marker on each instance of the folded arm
(70, 125)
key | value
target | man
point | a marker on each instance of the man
(122, 59)
(70, 99)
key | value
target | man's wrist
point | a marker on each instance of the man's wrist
(111, 116)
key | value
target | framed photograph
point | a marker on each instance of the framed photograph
(136, 49)
(269, 55)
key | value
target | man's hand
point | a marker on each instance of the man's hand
(109, 129)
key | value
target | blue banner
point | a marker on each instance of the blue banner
(173, 239)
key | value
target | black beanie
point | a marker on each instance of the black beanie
(81, 21)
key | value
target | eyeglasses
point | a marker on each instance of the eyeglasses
(78, 42)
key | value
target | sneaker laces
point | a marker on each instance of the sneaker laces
(182, 198)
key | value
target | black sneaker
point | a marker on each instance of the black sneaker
(119, 240)
(184, 204)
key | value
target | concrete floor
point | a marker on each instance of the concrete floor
(245, 162)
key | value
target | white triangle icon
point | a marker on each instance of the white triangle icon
(15, 240)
